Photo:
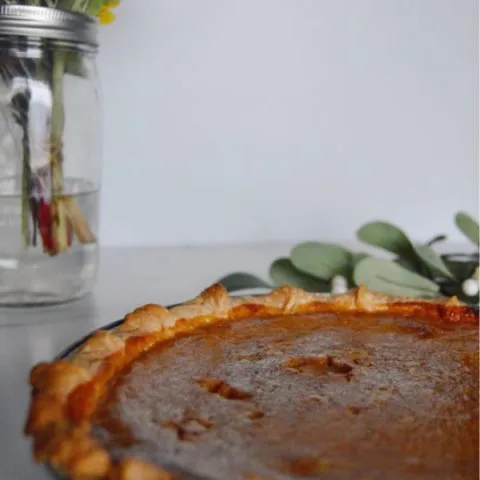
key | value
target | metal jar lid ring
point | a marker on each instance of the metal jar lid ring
(48, 23)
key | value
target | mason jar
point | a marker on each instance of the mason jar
(50, 147)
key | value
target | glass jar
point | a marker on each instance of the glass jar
(50, 146)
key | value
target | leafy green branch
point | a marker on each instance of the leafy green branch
(413, 270)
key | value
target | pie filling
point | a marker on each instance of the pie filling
(305, 396)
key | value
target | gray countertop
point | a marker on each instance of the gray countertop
(128, 277)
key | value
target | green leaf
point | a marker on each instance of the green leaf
(436, 239)
(358, 257)
(74, 65)
(388, 237)
(462, 266)
(408, 264)
(412, 257)
(388, 277)
(66, 4)
(94, 7)
(460, 270)
(433, 261)
(468, 226)
(322, 260)
(282, 271)
(242, 281)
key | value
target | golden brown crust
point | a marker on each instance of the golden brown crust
(65, 392)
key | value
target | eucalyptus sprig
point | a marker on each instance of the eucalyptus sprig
(413, 270)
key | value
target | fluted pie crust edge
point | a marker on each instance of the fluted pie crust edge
(65, 392)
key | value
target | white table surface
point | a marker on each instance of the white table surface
(128, 277)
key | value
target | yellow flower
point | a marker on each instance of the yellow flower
(105, 14)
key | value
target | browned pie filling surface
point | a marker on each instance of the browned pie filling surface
(304, 396)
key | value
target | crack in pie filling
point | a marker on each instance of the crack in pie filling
(290, 385)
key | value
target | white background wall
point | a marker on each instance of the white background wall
(258, 120)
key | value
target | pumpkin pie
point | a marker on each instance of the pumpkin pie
(288, 385)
